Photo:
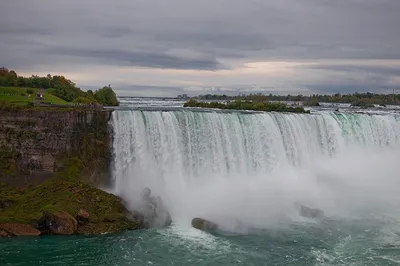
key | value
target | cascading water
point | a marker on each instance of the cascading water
(239, 163)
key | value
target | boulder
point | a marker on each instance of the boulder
(152, 213)
(3, 233)
(59, 223)
(203, 224)
(14, 229)
(82, 216)
(310, 213)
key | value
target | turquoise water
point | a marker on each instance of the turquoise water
(330, 242)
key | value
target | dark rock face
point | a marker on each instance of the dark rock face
(35, 141)
(152, 213)
(3, 233)
(82, 216)
(203, 224)
(310, 213)
(58, 223)
(14, 229)
(232, 226)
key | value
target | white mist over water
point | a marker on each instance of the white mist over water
(255, 166)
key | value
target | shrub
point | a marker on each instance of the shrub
(248, 105)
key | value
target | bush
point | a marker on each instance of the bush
(106, 96)
(84, 100)
(248, 105)
(362, 103)
(29, 91)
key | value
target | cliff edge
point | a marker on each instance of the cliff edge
(52, 161)
(34, 144)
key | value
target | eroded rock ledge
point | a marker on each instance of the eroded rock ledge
(63, 208)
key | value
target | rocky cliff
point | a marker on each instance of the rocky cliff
(52, 161)
(36, 143)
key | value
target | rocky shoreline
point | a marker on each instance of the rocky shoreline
(68, 207)
(59, 207)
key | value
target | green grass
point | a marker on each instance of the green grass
(17, 95)
(66, 193)
(107, 214)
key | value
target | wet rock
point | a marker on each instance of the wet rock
(203, 224)
(152, 213)
(82, 216)
(225, 225)
(3, 233)
(309, 212)
(14, 229)
(59, 223)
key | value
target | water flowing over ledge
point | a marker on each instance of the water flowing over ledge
(189, 144)
(180, 153)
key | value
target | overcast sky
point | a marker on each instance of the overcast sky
(169, 47)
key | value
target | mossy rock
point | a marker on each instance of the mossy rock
(107, 213)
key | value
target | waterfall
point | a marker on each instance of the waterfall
(177, 151)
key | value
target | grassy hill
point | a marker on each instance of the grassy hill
(18, 95)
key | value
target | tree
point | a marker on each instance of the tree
(106, 96)
(84, 100)
(11, 78)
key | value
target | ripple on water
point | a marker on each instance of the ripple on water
(342, 242)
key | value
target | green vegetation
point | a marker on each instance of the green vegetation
(72, 167)
(311, 102)
(57, 90)
(363, 103)
(368, 97)
(247, 105)
(65, 192)
(7, 162)
(24, 96)
(106, 96)
(84, 100)
(24, 195)
(107, 213)
(30, 107)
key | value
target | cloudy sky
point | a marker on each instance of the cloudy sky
(169, 47)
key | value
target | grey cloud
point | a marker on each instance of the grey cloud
(154, 60)
(111, 32)
(10, 30)
(376, 70)
(142, 33)
(150, 91)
